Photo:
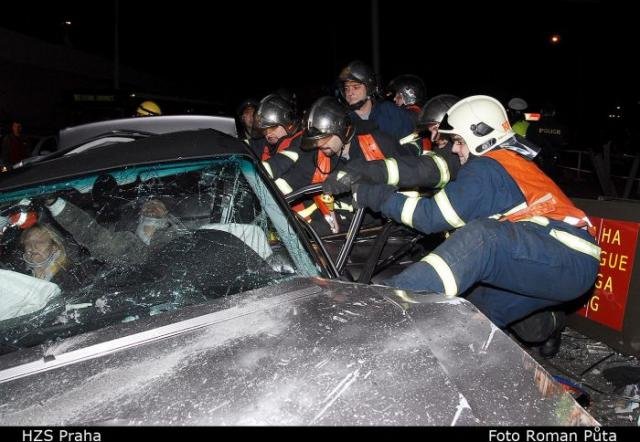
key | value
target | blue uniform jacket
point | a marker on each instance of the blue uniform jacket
(390, 118)
(483, 188)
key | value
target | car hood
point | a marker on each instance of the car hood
(305, 352)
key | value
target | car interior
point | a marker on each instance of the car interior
(220, 242)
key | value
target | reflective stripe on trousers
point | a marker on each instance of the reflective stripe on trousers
(531, 266)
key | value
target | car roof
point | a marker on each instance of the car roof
(77, 135)
(183, 145)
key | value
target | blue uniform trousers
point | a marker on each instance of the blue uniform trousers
(508, 270)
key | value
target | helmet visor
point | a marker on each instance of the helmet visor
(312, 138)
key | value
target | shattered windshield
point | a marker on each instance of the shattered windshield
(86, 253)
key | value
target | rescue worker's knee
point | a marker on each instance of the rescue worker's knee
(482, 232)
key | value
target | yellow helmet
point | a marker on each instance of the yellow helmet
(148, 109)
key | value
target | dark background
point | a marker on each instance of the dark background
(199, 51)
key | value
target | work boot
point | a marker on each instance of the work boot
(551, 346)
(542, 329)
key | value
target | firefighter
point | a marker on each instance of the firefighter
(520, 247)
(332, 139)
(246, 130)
(408, 91)
(277, 120)
(431, 170)
(426, 135)
(359, 89)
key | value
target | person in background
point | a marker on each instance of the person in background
(515, 111)
(148, 109)
(15, 147)
(247, 132)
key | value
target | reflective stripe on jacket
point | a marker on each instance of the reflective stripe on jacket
(371, 152)
(283, 144)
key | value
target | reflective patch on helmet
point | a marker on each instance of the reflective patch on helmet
(444, 272)
(484, 147)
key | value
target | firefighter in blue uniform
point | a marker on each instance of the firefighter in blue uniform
(433, 169)
(359, 89)
(520, 245)
(330, 141)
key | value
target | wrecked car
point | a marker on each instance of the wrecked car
(167, 282)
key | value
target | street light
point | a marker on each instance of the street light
(66, 28)
(555, 38)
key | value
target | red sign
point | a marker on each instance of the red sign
(618, 241)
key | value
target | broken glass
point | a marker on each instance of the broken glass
(137, 242)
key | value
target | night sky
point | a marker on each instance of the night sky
(458, 47)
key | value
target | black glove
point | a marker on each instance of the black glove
(340, 181)
(371, 196)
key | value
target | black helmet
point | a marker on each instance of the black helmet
(435, 109)
(288, 95)
(276, 111)
(410, 87)
(326, 117)
(359, 72)
(245, 104)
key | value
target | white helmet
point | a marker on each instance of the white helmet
(480, 120)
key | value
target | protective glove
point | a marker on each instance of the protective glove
(340, 181)
(371, 196)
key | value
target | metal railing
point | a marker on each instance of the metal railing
(600, 164)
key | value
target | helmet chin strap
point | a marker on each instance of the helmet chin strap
(358, 105)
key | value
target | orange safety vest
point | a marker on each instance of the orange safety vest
(371, 152)
(283, 145)
(543, 196)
